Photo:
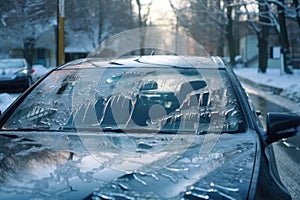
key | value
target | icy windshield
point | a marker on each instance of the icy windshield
(131, 98)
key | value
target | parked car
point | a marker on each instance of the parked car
(15, 74)
(150, 127)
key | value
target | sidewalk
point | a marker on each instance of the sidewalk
(283, 90)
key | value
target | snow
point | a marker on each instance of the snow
(290, 84)
(40, 70)
(6, 99)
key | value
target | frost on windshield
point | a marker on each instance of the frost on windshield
(152, 98)
(48, 106)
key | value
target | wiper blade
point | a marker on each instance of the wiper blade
(37, 129)
(14, 136)
(115, 63)
(115, 129)
(126, 130)
(133, 130)
(139, 130)
(173, 132)
(34, 129)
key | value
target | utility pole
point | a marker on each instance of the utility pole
(60, 32)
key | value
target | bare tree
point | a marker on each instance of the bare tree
(205, 21)
(262, 36)
(142, 20)
(229, 32)
(114, 17)
(272, 13)
(283, 38)
(81, 22)
(23, 21)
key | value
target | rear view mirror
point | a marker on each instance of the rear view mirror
(149, 86)
(281, 125)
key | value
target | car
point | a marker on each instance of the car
(15, 75)
(141, 127)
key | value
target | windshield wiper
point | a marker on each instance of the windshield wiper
(110, 129)
(14, 136)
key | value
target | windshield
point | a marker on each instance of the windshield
(11, 63)
(129, 98)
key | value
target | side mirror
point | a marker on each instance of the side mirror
(281, 125)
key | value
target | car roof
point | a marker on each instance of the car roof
(148, 61)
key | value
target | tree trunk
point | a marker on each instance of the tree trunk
(263, 49)
(284, 41)
(29, 49)
(229, 34)
(142, 52)
(262, 37)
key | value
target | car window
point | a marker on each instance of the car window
(11, 64)
(128, 98)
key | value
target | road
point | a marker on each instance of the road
(287, 151)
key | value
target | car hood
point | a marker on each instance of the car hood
(112, 165)
(10, 71)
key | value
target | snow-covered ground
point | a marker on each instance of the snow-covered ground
(290, 84)
(6, 99)
(40, 70)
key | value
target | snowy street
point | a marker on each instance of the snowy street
(273, 82)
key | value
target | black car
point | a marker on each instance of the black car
(15, 74)
(150, 127)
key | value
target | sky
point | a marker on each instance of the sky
(162, 13)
